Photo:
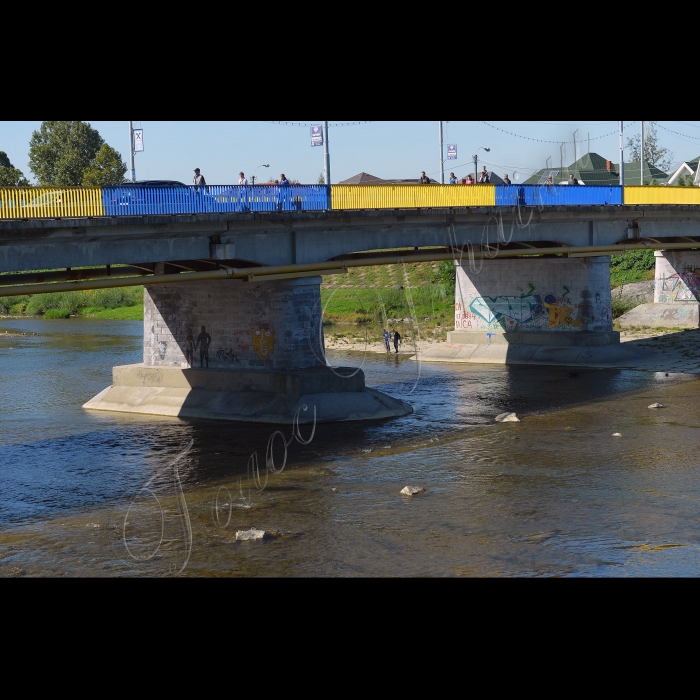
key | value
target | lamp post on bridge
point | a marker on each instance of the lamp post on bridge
(442, 157)
(131, 151)
(622, 157)
(256, 171)
(476, 162)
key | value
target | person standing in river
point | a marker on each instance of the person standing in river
(203, 343)
(397, 338)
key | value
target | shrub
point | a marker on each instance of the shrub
(57, 313)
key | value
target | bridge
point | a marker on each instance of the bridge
(244, 263)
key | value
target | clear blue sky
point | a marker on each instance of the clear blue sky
(385, 149)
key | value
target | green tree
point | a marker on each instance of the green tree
(9, 175)
(654, 154)
(107, 168)
(59, 152)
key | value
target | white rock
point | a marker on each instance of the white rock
(248, 535)
(617, 434)
(507, 418)
(411, 490)
(656, 405)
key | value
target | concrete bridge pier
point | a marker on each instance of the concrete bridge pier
(238, 350)
(547, 310)
(676, 293)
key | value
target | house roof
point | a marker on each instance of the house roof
(592, 169)
(363, 179)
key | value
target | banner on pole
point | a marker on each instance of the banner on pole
(138, 140)
(316, 135)
(451, 151)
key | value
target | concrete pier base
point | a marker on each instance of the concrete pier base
(674, 315)
(257, 396)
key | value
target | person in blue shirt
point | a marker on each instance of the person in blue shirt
(453, 179)
(283, 180)
(386, 340)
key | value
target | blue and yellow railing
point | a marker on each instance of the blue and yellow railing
(130, 200)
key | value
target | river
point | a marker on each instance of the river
(105, 494)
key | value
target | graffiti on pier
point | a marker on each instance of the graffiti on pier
(264, 343)
(683, 286)
(226, 355)
(510, 312)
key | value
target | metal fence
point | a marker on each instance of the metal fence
(127, 200)
(662, 195)
(556, 195)
(411, 196)
(50, 202)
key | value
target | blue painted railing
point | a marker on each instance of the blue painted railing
(557, 195)
(125, 200)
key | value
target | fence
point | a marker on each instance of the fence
(411, 196)
(662, 195)
(127, 200)
(50, 202)
(130, 200)
(556, 195)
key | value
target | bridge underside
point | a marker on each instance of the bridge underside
(291, 238)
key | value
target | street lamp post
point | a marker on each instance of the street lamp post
(256, 171)
(622, 157)
(131, 151)
(442, 158)
(641, 157)
(326, 156)
(476, 162)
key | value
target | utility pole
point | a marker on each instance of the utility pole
(131, 151)
(476, 168)
(442, 158)
(622, 156)
(641, 157)
(326, 156)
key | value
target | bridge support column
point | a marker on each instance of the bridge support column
(676, 293)
(533, 311)
(240, 351)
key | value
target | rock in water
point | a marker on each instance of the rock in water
(507, 418)
(656, 405)
(411, 490)
(617, 434)
(248, 535)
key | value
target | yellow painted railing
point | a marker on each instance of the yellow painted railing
(35, 202)
(661, 195)
(411, 196)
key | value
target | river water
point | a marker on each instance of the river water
(105, 494)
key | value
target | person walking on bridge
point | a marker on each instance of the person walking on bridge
(453, 179)
(242, 179)
(424, 179)
(199, 180)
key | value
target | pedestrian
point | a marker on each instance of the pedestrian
(453, 179)
(550, 180)
(424, 179)
(242, 179)
(397, 338)
(386, 340)
(283, 181)
(506, 180)
(470, 180)
(484, 177)
(573, 180)
(199, 180)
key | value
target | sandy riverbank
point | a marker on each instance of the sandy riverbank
(662, 351)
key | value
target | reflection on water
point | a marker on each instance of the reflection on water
(88, 493)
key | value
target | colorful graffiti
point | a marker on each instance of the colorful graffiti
(509, 312)
(263, 342)
(684, 286)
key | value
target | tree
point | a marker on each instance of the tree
(654, 154)
(107, 168)
(60, 152)
(9, 175)
(321, 180)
